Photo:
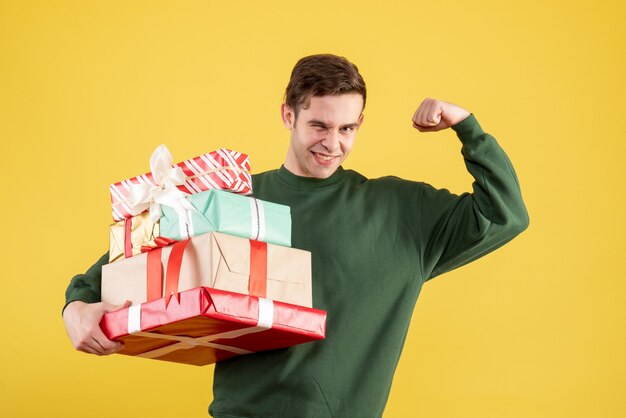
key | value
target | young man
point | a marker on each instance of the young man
(374, 243)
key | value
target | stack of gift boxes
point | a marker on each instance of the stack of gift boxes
(208, 270)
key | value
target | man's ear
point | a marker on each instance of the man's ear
(360, 121)
(288, 115)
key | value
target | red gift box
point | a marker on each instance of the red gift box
(221, 169)
(207, 325)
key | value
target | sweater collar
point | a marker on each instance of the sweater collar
(309, 183)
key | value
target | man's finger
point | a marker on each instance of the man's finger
(432, 115)
(106, 349)
(98, 347)
(441, 125)
(91, 347)
(434, 118)
(427, 118)
(105, 345)
(89, 350)
(422, 128)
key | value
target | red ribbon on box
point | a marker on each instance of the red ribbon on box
(257, 285)
(265, 315)
(154, 270)
(128, 230)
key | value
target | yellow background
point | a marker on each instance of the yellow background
(89, 89)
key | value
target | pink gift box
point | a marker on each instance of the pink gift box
(221, 169)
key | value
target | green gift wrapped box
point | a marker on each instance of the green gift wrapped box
(220, 211)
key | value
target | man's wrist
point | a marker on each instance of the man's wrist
(467, 124)
(68, 303)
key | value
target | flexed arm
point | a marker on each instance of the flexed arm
(454, 230)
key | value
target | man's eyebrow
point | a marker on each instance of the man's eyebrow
(315, 122)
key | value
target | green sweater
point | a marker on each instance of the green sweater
(374, 243)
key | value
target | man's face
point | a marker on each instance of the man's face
(322, 135)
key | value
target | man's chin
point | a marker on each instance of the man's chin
(323, 172)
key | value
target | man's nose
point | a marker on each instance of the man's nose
(331, 141)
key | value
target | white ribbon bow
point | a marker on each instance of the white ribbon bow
(167, 176)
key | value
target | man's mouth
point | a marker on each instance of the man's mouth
(324, 158)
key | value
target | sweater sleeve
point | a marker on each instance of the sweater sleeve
(455, 230)
(86, 287)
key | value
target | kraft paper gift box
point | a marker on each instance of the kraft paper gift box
(221, 169)
(127, 236)
(215, 260)
(209, 325)
(221, 211)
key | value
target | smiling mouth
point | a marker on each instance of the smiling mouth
(323, 157)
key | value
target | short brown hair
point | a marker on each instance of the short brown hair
(321, 75)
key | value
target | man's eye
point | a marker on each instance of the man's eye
(347, 129)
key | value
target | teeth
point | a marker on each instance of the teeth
(324, 157)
